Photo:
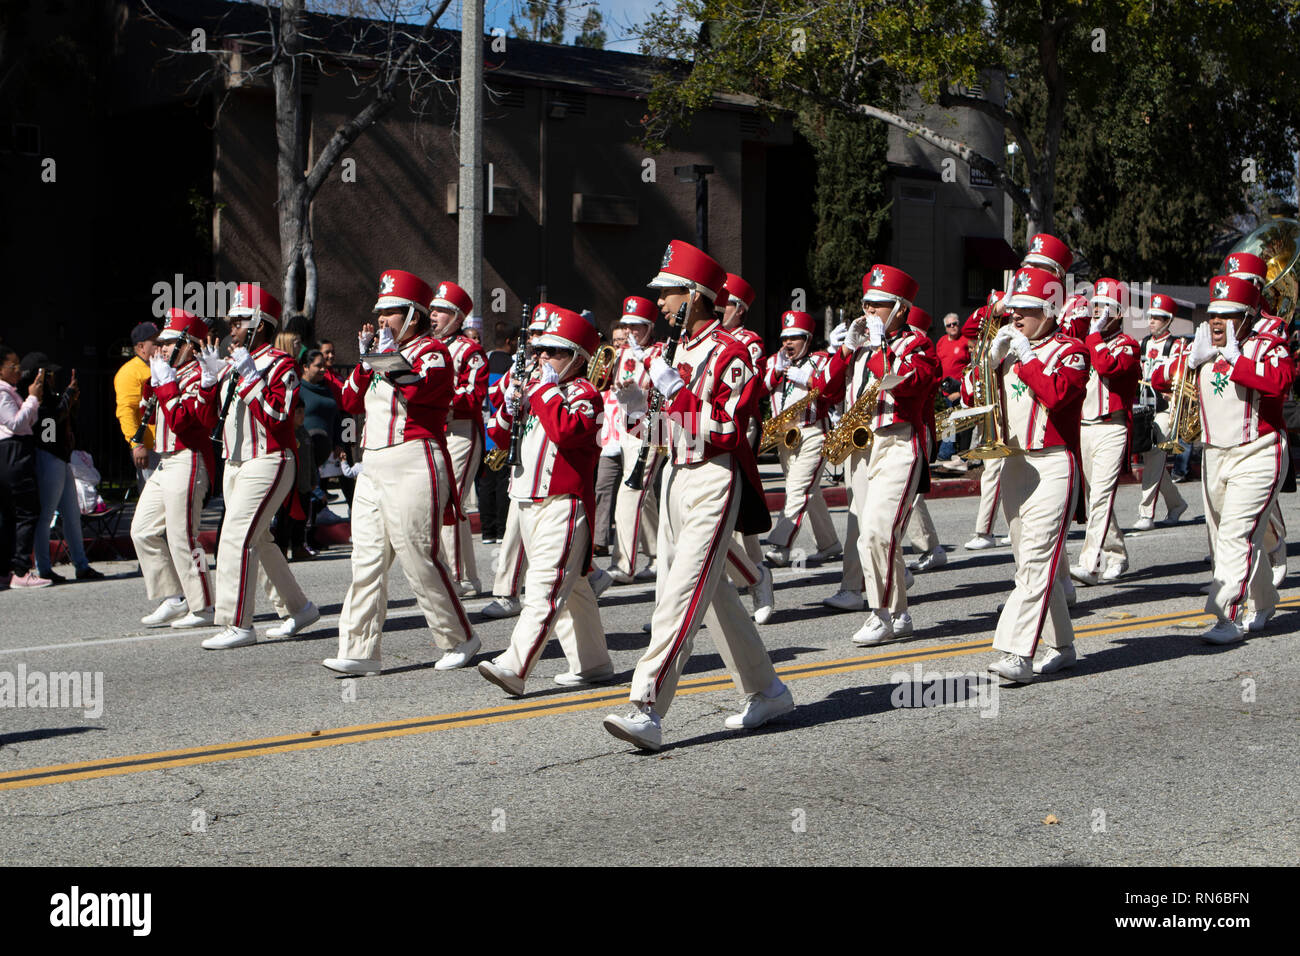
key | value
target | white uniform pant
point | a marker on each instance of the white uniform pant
(636, 513)
(465, 445)
(557, 596)
(855, 488)
(165, 530)
(1102, 448)
(697, 514)
(1039, 489)
(254, 491)
(990, 494)
(803, 493)
(510, 560)
(1240, 488)
(893, 473)
(397, 510)
(1155, 480)
(1275, 537)
(920, 530)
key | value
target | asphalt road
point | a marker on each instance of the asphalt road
(1155, 749)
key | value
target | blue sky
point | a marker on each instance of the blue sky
(620, 16)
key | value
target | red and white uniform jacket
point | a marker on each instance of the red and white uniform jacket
(1158, 350)
(1270, 325)
(786, 393)
(1243, 402)
(752, 341)
(906, 353)
(260, 419)
(1113, 381)
(1041, 398)
(559, 449)
(470, 365)
(183, 420)
(631, 383)
(411, 406)
(710, 416)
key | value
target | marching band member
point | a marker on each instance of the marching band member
(448, 309)
(1076, 316)
(882, 348)
(788, 374)
(1241, 380)
(1245, 265)
(511, 560)
(636, 511)
(1043, 378)
(1105, 435)
(405, 492)
(1156, 350)
(554, 489)
(711, 485)
(991, 473)
(921, 532)
(258, 442)
(165, 527)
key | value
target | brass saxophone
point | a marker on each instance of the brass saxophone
(853, 433)
(785, 428)
(1184, 413)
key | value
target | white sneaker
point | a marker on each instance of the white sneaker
(1056, 660)
(833, 553)
(777, 557)
(845, 601)
(876, 630)
(461, 656)
(1176, 514)
(572, 679)
(759, 710)
(231, 637)
(1082, 576)
(1255, 621)
(196, 618)
(166, 612)
(1014, 668)
(348, 665)
(508, 681)
(503, 607)
(640, 728)
(468, 588)
(647, 574)
(294, 625)
(1143, 524)
(903, 625)
(931, 559)
(763, 596)
(980, 542)
(1224, 632)
(1279, 575)
(1114, 572)
(621, 577)
(1004, 541)
(600, 580)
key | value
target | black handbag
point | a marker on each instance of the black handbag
(1144, 428)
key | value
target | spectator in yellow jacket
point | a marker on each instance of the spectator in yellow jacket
(127, 384)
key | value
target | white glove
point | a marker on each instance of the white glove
(1001, 344)
(243, 363)
(782, 360)
(856, 335)
(665, 377)
(549, 375)
(875, 330)
(363, 342)
(632, 400)
(1231, 350)
(162, 371)
(1202, 349)
(799, 376)
(837, 336)
(1020, 345)
(387, 341)
(212, 363)
(1097, 324)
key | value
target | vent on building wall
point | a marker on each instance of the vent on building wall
(568, 104)
(917, 193)
(751, 126)
(605, 210)
(509, 97)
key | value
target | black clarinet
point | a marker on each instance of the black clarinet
(636, 480)
(225, 409)
(517, 424)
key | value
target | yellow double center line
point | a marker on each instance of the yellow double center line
(138, 763)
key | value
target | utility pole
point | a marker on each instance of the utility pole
(470, 206)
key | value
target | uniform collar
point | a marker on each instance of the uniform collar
(694, 340)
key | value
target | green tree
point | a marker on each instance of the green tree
(592, 32)
(540, 20)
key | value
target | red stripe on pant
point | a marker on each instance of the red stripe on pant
(740, 568)
(540, 640)
(900, 520)
(1061, 534)
(1250, 551)
(198, 559)
(993, 509)
(719, 533)
(436, 541)
(1110, 518)
(459, 491)
(244, 567)
(519, 569)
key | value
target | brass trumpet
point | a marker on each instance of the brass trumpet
(1184, 413)
(785, 428)
(600, 370)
